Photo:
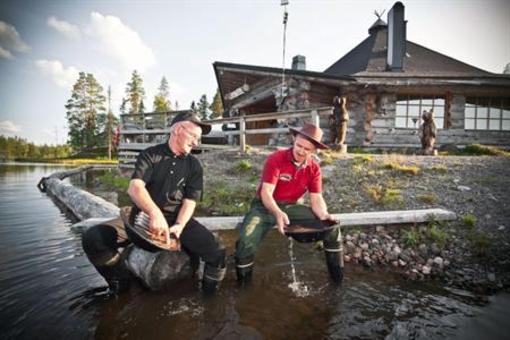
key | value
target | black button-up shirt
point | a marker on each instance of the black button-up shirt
(169, 178)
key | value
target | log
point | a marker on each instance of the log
(351, 219)
(155, 270)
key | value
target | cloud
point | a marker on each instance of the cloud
(67, 29)
(120, 41)
(10, 41)
(62, 76)
(8, 128)
(5, 54)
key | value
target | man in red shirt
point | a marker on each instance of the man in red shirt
(286, 177)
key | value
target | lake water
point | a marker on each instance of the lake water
(49, 290)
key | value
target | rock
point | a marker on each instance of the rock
(463, 188)
(367, 261)
(364, 246)
(394, 263)
(397, 250)
(348, 238)
(422, 249)
(350, 246)
(501, 228)
(435, 249)
(430, 262)
(402, 263)
(357, 253)
(446, 263)
(426, 270)
(380, 229)
(347, 258)
(375, 241)
(438, 261)
(491, 277)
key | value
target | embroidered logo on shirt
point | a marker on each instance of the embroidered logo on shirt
(285, 177)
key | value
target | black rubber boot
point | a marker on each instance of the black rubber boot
(212, 278)
(334, 268)
(244, 270)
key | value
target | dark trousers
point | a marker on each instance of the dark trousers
(101, 243)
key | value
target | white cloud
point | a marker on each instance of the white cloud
(8, 128)
(120, 41)
(5, 54)
(10, 40)
(67, 29)
(62, 76)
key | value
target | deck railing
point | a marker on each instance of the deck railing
(139, 131)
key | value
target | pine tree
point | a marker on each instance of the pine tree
(135, 92)
(123, 106)
(216, 106)
(193, 106)
(84, 111)
(176, 105)
(142, 107)
(161, 101)
(203, 107)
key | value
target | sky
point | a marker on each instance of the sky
(44, 44)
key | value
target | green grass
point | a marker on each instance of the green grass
(114, 181)
(478, 150)
(406, 169)
(480, 242)
(392, 197)
(428, 198)
(243, 165)
(469, 221)
(411, 238)
(226, 200)
(438, 235)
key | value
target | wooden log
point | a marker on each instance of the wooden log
(350, 219)
(155, 270)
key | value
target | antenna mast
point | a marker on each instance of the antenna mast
(284, 3)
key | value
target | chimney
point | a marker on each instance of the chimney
(299, 63)
(396, 38)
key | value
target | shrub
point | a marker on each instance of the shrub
(469, 221)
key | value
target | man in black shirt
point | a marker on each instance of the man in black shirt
(165, 185)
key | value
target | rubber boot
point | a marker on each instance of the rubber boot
(212, 278)
(244, 270)
(334, 266)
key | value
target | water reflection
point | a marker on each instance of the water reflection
(50, 290)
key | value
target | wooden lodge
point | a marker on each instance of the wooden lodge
(388, 81)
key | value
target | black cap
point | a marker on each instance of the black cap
(191, 116)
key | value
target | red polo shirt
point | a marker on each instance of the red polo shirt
(291, 182)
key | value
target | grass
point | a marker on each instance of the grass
(406, 169)
(114, 181)
(74, 161)
(478, 150)
(469, 221)
(480, 242)
(440, 169)
(438, 235)
(243, 165)
(226, 199)
(428, 198)
(384, 196)
(411, 238)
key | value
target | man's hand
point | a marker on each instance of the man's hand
(281, 221)
(158, 225)
(176, 230)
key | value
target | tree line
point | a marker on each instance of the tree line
(91, 125)
(18, 148)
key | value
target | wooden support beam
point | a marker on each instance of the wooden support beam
(351, 219)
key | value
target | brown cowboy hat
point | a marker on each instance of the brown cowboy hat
(312, 133)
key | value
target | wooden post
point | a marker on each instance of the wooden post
(315, 118)
(242, 133)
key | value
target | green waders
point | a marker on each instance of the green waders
(259, 221)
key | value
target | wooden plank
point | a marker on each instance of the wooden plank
(351, 219)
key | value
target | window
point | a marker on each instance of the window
(484, 113)
(410, 108)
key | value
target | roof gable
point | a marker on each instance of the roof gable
(369, 58)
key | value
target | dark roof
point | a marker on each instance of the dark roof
(369, 59)
(278, 71)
